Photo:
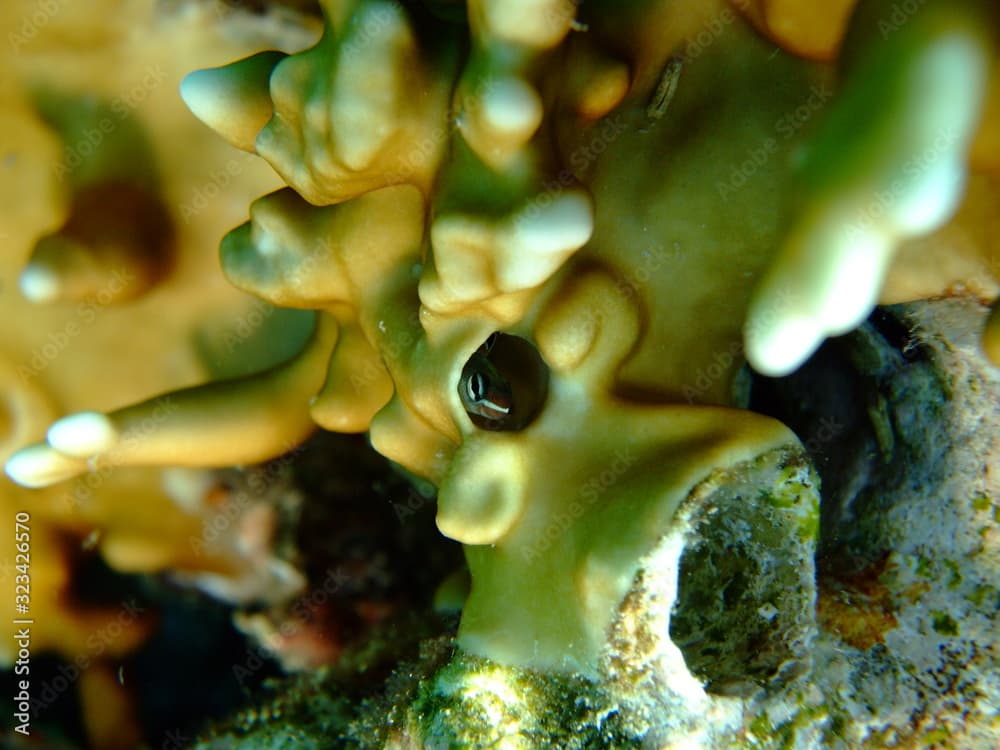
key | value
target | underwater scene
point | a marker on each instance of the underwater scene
(510, 374)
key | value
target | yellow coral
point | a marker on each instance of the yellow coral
(803, 28)
(110, 210)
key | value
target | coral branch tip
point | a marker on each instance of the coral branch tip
(82, 435)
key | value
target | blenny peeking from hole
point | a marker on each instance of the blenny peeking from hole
(504, 383)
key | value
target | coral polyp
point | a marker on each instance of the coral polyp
(545, 242)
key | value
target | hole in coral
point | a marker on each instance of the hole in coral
(743, 614)
(848, 404)
(504, 383)
(713, 609)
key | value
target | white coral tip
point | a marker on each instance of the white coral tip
(233, 100)
(39, 284)
(82, 435)
(778, 348)
(564, 225)
(39, 465)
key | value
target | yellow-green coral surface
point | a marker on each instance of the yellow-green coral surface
(646, 194)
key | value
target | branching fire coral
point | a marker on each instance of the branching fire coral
(96, 240)
(639, 198)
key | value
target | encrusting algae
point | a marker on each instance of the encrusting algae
(601, 212)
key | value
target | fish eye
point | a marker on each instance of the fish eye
(477, 386)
